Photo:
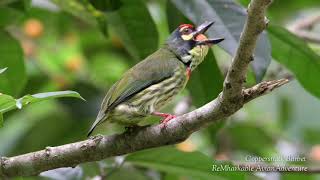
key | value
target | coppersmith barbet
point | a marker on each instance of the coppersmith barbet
(148, 86)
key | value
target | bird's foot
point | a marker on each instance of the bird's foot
(188, 72)
(167, 118)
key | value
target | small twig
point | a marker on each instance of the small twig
(262, 89)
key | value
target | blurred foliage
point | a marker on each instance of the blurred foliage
(49, 47)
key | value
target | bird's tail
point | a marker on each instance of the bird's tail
(102, 125)
(100, 118)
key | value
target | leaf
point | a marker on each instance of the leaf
(8, 103)
(78, 9)
(229, 20)
(9, 16)
(133, 25)
(11, 56)
(5, 2)
(170, 160)
(22, 5)
(125, 173)
(106, 5)
(46, 96)
(298, 176)
(3, 70)
(1, 120)
(206, 81)
(262, 143)
(295, 54)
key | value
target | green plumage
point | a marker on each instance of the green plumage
(141, 85)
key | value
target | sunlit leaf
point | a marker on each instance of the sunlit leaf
(11, 56)
(3, 70)
(229, 19)
(8, 103)
(295, 55)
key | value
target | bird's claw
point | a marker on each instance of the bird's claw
(166, 120)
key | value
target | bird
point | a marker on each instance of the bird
(151, 84)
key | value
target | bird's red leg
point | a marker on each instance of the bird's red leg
(166, 117)
(188, 72)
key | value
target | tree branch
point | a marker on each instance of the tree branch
(229, 101)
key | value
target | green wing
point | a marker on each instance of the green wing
(154, 69)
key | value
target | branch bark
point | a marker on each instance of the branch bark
(228, 102)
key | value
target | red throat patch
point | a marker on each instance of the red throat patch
(186, 25)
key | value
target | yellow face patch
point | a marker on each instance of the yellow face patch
(187, 37)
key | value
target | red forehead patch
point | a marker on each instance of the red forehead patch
(185, 25)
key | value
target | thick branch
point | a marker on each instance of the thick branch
(232, 99)
(236, 76)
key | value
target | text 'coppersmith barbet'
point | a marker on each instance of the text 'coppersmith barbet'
(148, 86)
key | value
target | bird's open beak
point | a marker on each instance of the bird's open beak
(201, 29)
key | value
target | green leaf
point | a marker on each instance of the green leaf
(78, 9)
(106, 5)
(262, 144)
(3, 70)
(133, 25)
(298, 176)
(11, 56)
(27, 99)
(9, 16)
(170, 160)
(6, 2)
(22, 5)
(229, 20)
(1, 120)
(8, 103)
(295, 54)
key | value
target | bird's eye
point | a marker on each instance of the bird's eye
(186, 31)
